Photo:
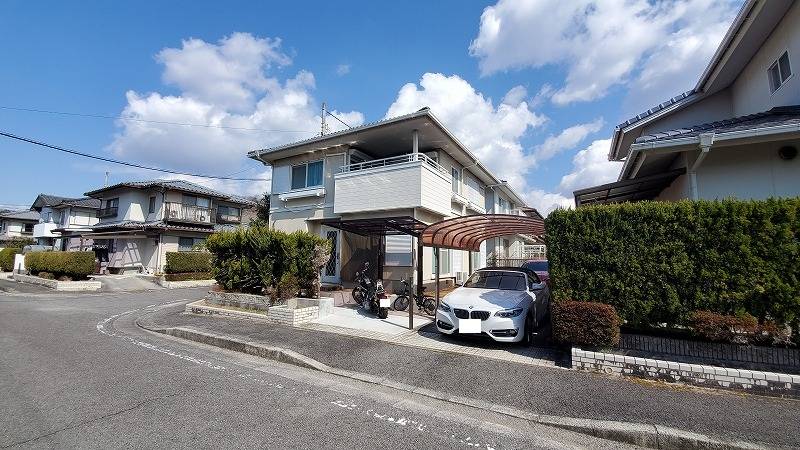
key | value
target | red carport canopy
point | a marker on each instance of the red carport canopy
(467, 232)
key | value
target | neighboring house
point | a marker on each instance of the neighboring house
(409, 168)
(736, 134)
(17, 224)
(63, 220)
(142, 220)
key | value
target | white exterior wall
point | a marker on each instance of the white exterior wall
(751, 90)
(13, 228)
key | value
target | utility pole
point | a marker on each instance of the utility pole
(324, 125)
(105, 183)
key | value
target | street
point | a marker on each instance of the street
(77, 372)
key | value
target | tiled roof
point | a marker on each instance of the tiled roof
(85, 202)
(152, 225)
(782, 115)
(21, 215)
(677, 99)
(178, 185)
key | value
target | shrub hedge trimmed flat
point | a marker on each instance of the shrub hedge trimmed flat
(188, 262)
(658, 262)
(7, 258)
(588, 324)
(75, 265)
(255, 260)
(188, 276)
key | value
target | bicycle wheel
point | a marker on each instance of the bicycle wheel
(429, 306)
(400, 303)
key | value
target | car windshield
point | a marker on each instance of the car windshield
(539, 266)
(496, 279)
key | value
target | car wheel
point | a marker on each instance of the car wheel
(529, 328)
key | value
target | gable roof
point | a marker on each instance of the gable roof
(84, 202)
(25, 215)
(43, 200)
(178, 185)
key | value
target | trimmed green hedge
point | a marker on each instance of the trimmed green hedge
(658, 262)
(256, 259)
(7, 258)
(188, 276)
(588, 324)
(188, 262)
(75, 265)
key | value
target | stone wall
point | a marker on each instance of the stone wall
(59, 285)
(293, 316)
(239, 300)
(766, 383)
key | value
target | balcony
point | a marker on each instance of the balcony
(177, 212)
(45, 230)
(228, 218)
(400, 182)
(107, 212)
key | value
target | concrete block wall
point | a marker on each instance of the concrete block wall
(290, 316)
(766, 383)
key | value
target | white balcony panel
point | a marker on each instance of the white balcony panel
(413, 184)
(45, 230)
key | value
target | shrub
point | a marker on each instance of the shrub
(188, 262)
(17, 242)
(288, 286)
(7, 258)
(75, 265)
(658, 262)
(589, 324)
(255, 259)
(742, 329)
(188, 276)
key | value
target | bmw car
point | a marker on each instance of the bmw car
(505, 303)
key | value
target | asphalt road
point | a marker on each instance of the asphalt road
(75, 371)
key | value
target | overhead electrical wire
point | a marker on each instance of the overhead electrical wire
(124, 163)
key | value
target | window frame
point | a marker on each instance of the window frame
(151, 206)
(306, 164)
(195, 241)
(455, 179)
(775, 72)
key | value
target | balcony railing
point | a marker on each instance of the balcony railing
(178, 212)
(379, 163)
(108, 212)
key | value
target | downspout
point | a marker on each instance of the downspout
(706, 141)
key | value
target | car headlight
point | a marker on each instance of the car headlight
(509, 312)
(444, 307)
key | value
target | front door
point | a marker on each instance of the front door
(331, 269)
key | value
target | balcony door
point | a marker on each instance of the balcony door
(331, 271)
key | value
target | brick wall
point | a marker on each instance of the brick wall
(767, 383)
(288, 316)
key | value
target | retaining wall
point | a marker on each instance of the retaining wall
(59, 285)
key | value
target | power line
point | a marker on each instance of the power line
(131, 119)
(124, 163)
(340, 120)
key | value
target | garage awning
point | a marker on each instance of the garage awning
(467, 232)
(644, 188)
(379, 226)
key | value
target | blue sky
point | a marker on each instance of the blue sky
(526, 89)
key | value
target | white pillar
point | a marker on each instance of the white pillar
(415, 142)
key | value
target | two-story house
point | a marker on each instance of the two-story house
(736, 134)
(142, 220)
(63, 219)
(17, 224)
(410, 168)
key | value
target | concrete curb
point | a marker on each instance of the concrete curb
(652, 436)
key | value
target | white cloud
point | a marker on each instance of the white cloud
(342, 69)
(227, 89)
(493, 133)
(515, 95)
(568, 138)
(602, 43)
(590, 167)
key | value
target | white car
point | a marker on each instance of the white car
(505, 303)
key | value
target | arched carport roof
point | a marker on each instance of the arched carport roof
(467, 232)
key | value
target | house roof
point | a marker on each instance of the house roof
(782, 115)
(47, 200)
(155, 225)
(25, 215)
(178, 185)
(85, 202)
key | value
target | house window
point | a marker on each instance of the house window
(398, 251)
(229, 211)
(112, 203)
(474, 260)
(444, 257)
(187, 244)
(192, 200)
(28, 228)
(307, 175)
(456, 175)
(151, 208)
(779, 72)
(501, 205)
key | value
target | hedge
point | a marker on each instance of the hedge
(187, 276)
(258, 260)
(188, 262)
(588, 324)
(658, 262)
(75, 265)
(7, 258)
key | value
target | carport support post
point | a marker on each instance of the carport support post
(436, 253)
(419, 284)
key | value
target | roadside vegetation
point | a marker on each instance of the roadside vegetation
(63, 266)
(257, 260)
(726, 271)
(7, 258)
(183, 266)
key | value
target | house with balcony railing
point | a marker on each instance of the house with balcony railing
(139, 221)
(62, 220)
(409, 166)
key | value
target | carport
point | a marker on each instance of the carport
(459, 233)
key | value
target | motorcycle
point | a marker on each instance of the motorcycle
(370, 295)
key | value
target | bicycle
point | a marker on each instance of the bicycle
(424, 302)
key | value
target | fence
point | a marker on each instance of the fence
(729, 355)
